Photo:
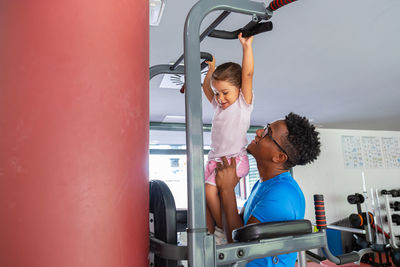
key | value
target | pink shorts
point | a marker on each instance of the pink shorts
(242, 168)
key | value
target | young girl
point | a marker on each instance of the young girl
(229, 89)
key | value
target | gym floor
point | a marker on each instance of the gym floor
(331, 264)
(328, 263)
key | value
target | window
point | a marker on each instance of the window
(253, 176)
(168, 163)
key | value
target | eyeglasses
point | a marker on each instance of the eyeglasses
(267, 132)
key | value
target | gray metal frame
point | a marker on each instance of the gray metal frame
(197, 231)
(238, 254)
(392, 239)
(354, 256)
(201, 249)
(247, 251)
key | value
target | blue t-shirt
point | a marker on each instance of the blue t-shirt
(277, 199)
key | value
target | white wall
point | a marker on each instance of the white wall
(328, 176)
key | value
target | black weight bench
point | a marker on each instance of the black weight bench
(268, 230)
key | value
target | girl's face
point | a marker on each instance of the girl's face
(225, 93)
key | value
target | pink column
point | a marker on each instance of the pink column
(74, 128)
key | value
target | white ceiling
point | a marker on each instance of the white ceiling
(336, 62)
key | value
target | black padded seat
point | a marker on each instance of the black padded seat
(162, 206)
(181, 220)
(267, 230)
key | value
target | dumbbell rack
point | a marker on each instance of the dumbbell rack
(361, 220)
(391, 218)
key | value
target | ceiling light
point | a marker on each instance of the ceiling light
(174, 119)
(156, 10)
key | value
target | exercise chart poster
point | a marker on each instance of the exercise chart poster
(391, 151)
(371, 152)
(352, 152)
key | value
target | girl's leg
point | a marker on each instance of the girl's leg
(225, 226)
(209, 221)
(242, 166)
(213, 205)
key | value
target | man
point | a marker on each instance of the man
(278, 147)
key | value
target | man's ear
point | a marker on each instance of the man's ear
(279, 158)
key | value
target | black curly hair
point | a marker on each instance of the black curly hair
(302, 142)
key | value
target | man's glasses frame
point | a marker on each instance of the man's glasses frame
(267, 132)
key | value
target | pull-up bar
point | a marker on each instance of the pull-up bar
(255, 26)
(206, 32)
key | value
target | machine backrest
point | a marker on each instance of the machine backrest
(162, 206)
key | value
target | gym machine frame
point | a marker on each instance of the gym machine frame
(200, 245)
(201, 249)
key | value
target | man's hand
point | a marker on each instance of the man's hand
(226, 178)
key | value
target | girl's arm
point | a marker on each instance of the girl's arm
(207, 80)
(247, 68)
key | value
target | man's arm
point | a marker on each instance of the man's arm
(226, 180)
(233, 219)
(251, 220)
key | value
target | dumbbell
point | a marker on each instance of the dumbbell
(358, 220)
(395, 219)
(355, 199)
(395, 205)
(393, 192)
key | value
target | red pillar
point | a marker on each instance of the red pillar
(74, 133)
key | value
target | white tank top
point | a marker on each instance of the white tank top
(229, 128)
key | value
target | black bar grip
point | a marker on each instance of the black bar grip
(209, 29)
(249, 25)
(206, 56)
(315, 256)
(203, 55)
(252, 28)
(259, 28)
(224, 34)
(319, 206)
(274, 5)
(348, 258)
(203, 65)
(232, 34)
